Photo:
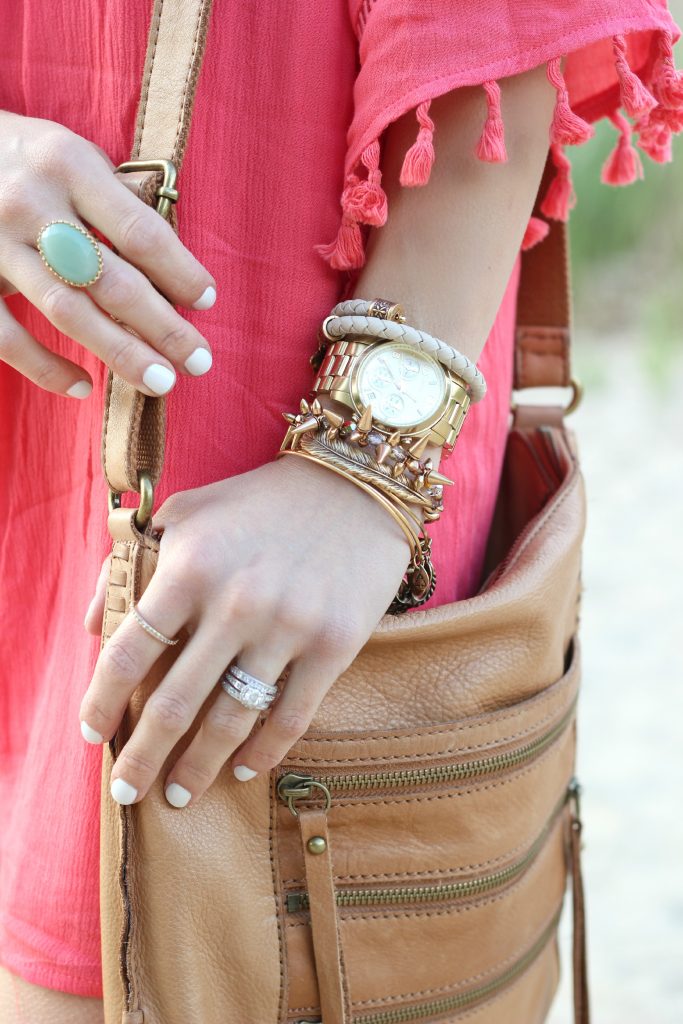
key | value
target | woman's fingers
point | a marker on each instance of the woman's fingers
(130, 653)
(74, 313)
(48, 370)
(52, 174)
(225, 726)
(308, 682)
(141, 236)
(126, 294)
(169, 713)
(95, 612)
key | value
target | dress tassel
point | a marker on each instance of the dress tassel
(418, 161)
(654, 136)
(636, 98)
(364, 199)
(491, 145)
(346, 251)
(567, 128)
(560, 197)
(667, 82)
(536, 231)
(623, 166)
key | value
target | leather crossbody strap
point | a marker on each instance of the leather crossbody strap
(133, 431)
(134, 424)
(542, 348)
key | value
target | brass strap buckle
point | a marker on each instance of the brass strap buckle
(166, 193)
(574, 402)
(144, 510)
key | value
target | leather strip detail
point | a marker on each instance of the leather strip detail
(542, 354)
(134, 424)
(329, 959)
(175, 50)
(542, 357)
(581, 1003)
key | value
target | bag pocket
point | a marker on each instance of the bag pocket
(446, 852)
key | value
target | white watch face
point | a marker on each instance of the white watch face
(403, 386)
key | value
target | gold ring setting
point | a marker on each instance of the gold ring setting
(150, 629)
(70, 253)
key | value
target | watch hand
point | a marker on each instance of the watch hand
(389, 370)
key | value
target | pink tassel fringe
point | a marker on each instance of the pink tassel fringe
(623, 166)
(635, 97)
(560, 197)
(364, 199)
(654, 136)
(346, 251)
(536, 231)
(491, 145)
(567, 129)
(667, 82)
(418, 161)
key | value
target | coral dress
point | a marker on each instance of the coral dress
(291, 105)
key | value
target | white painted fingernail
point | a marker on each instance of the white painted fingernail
(243, 773)
(158, 378)
(206, 299)
(81, 389)
(91, 735)
(199, 362)
(123, 792)
(177, 795)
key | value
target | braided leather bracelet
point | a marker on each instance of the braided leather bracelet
(351, 317)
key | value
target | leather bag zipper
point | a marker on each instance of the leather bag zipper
(445, 892)
(463, 1000)
(295, 786)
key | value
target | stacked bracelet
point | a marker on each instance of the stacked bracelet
(321, 436)
(405, 390)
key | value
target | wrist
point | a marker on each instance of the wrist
(338, 497)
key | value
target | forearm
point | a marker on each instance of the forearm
(447, 249)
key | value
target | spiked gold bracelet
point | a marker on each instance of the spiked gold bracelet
(403, 486)
(393, 463)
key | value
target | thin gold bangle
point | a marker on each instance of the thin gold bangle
(412, 537)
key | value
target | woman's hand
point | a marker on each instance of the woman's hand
(288, 565)
(49, 173)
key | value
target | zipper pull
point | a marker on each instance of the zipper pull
(293, 787)
(327, 949)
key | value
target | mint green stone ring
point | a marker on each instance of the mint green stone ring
(70, 252)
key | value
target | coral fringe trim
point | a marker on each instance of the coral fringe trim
(623, 166)
(536, 231)
(491, 146)
(567, 129)
(418, 161)
(655, 105)
(560, 197)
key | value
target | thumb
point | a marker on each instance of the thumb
(95, 612)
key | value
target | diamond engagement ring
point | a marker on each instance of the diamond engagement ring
(247, 689)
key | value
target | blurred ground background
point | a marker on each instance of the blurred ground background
(628, 278)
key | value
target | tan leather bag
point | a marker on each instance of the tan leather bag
(408, 862)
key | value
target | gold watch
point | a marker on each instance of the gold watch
(409, 391)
